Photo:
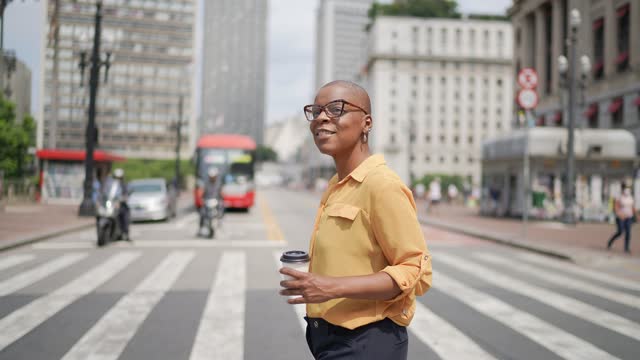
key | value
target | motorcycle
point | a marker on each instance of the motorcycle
(108, 208)
(212, 212)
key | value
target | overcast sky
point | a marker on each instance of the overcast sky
(291, 47)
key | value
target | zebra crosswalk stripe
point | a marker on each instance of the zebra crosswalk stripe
(574, 269)
(300, 309)
(38, 273)
(555, 339)
(567, 304)
(443, 338)
(611, 295)
(225, 306)
(108, 337)
(13, 260)
(25, 319)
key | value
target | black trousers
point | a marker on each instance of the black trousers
(381, 340)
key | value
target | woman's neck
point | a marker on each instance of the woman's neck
(346, 164)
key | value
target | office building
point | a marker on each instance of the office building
(15, 83)
(341, 40)
(152, 52)
(440, 87)
(234, 67)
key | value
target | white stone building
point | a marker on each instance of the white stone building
(439, 87)
(341, 40)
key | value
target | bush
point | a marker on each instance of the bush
(143, 168)
(445, 181)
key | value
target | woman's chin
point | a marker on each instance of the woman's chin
(326, 149)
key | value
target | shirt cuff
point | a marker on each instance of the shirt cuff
(406, 277)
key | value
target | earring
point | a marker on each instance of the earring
(365, 136)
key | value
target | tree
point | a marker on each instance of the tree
(15, 140)
(417, 8)
(265, 153)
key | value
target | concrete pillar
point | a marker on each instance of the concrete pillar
(634, 17)
(557, 39)
(610, 43)
(541, 63)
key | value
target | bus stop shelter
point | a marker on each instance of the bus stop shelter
(604, 160)
(62, 173)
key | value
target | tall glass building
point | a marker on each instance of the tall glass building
(152, 47)
(234, 66)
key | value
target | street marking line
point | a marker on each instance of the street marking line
(564, 303)
(568, 267)
(63, 245)
(273, 229)
(38, 273)
(186, 243)
(583, 286)
(556, 340)
(221, 330)
(444, 338)
(20, 322)
(187, 219)
(300, 309)
(109, 336)
(13, 260)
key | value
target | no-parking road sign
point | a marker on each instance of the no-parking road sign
(528, 78)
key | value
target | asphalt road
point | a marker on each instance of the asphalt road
(169, 295)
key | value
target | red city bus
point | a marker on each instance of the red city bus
(233, 155)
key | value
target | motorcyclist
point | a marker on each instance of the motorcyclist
(124, 215)
(212, 190)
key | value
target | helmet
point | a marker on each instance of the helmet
(118, 173)
(213, 172)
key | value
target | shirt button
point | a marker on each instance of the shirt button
(426, 257)
(315, 324)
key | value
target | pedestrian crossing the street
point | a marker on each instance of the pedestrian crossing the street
(482, 305)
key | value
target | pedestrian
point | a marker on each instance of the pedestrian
(435, 193)
(625, 211)
(419, 191)
(368, 255)
(452, 192)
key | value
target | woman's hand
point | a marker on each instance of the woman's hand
(311, 288)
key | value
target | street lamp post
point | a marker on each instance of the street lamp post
(568, 70)
(87, 207)
(178, 142)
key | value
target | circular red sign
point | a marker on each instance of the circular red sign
(527, 98)
(528, 78)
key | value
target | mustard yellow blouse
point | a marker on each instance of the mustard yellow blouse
(367, 223)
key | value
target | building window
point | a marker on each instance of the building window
(455, 139)
(428, 80)
(443, 80)
(623, 37)
(442, 139)
(393, 107)
(598, 48)
(427, 138)
(458, 38)
(499, 82)
(414, 79)
(617, 113)
(414, 93)
(455, 159)
(392, 138)
(427, 159)
(592, 116)
(470, 139)
(441, 159)
(393, 92)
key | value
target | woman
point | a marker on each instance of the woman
(369, 259)
(624, 209)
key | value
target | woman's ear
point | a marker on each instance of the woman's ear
(368, 122)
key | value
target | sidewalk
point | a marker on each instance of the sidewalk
(24, 224)
(584, 243)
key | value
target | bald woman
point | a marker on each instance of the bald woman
(369, 259)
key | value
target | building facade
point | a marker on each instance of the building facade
(138, 107)
(15, 83)
(234, 68)
(609, 34)
(341, 40)
(440, 87)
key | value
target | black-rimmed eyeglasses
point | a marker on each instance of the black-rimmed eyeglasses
(333, 109)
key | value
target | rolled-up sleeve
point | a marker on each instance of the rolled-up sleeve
(395, 225)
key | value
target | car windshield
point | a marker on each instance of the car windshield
(145, 188)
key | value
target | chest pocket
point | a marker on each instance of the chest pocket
(343, 213)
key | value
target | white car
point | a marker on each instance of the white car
(151, 199)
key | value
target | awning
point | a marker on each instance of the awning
(598, 66)
(557, 117)
(591, 110)
(622, 10)
(615, 106)
(597, 24)
(622, 57)
(636, 102)
(75, 155)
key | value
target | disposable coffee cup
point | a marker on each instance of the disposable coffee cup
(295, 259)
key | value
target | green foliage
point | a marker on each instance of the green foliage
(445, 180)
(265, 153)
(488, 17)
(15, 140)
(417, 8)
(142, 168)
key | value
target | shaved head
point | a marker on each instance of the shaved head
(360, 95)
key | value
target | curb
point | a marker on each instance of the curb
(11, 244)
(498, 239)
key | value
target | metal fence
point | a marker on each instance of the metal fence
(17, 190)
